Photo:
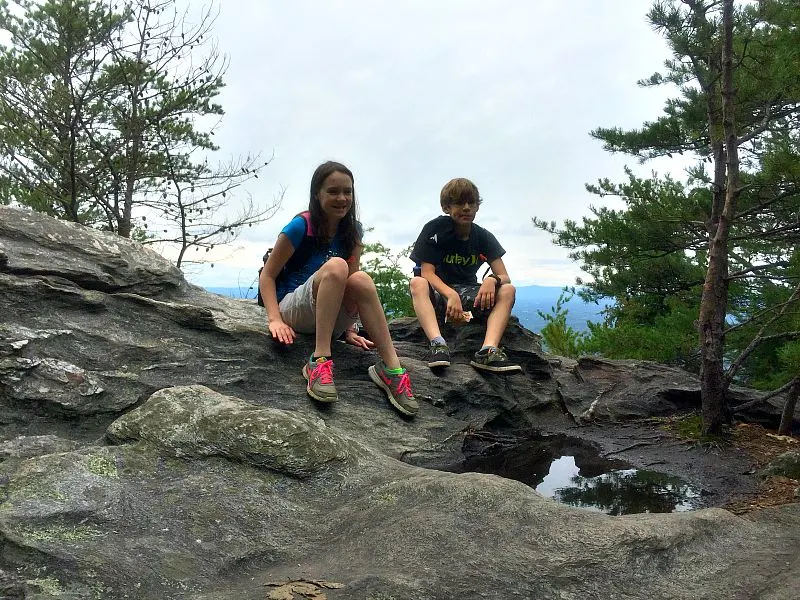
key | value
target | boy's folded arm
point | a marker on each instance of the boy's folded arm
(499, 269)
(428, 271)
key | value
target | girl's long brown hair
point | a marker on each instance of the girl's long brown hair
(349, 226)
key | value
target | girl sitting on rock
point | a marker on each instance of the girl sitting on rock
(311, 283)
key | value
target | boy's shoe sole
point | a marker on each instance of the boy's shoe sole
(494, 369)
(373, 374)
(439, 363)
(310, 392)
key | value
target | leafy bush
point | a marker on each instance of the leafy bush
(390, 280)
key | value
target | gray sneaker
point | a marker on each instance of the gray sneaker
(494, 360)
(438, 356)
(319, 375)
(397, 388)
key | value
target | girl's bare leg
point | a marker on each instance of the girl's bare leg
(360, 294)
(329, 286)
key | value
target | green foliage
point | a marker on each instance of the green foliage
(645, 248)
(560, 338)
(103, 107)
(667, 337)
(771, 315)
(688, 426)
(51, 92)
(789, 356)
(651, 255)
(390, 279)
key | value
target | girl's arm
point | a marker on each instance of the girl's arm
(351, 336)
(281, 253)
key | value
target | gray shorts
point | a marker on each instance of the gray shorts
(467, 293)
(298, 311)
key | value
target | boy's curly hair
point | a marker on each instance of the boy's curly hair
(458, 191)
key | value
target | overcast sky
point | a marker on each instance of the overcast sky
(410, 94)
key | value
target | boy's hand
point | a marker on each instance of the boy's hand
(282, 332)
(454, 309)
(486, 294)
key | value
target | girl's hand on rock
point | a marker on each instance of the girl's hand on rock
(282, 332)
(351, 337)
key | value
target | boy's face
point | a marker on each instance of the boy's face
(463, 213)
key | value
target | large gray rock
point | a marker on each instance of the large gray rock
(30, 244)
(596, 389)
(155, 443)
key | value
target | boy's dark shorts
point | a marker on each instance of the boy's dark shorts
(467, 293)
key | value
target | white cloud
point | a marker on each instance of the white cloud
(411, 94)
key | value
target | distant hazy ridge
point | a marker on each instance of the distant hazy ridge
(530, 299)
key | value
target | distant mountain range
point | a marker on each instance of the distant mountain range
(530, 300)
(534, 298)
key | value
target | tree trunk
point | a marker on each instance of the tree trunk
(133, 145)
(133, 154)
(713, 305)
(787, 416)
(714, 300)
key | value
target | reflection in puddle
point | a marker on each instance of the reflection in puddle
(572, 471)
(619, 492)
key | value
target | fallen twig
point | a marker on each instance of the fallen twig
(632, 446)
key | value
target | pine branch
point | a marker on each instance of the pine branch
(760, 337)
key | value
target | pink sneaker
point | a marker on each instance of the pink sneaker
(319, 375)
(397, 388)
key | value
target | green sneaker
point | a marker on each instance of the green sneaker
(494, 360)
(397, 388)
(319, 375)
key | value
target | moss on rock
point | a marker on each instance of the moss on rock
(194, 422)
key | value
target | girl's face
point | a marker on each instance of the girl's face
(336, 196)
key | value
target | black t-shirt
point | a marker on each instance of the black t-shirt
(456, 261)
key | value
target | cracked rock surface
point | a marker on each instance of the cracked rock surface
(155, 443)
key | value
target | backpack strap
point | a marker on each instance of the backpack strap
(301, 253)
(307, 217)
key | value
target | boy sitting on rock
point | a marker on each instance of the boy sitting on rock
(448, 253)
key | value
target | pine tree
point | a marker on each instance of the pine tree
(725, 242)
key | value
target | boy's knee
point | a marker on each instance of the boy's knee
(507, 291)
(419, 286)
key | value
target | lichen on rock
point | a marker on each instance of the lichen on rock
(194, 421)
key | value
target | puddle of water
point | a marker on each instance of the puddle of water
(618, 492)
(571, 471)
